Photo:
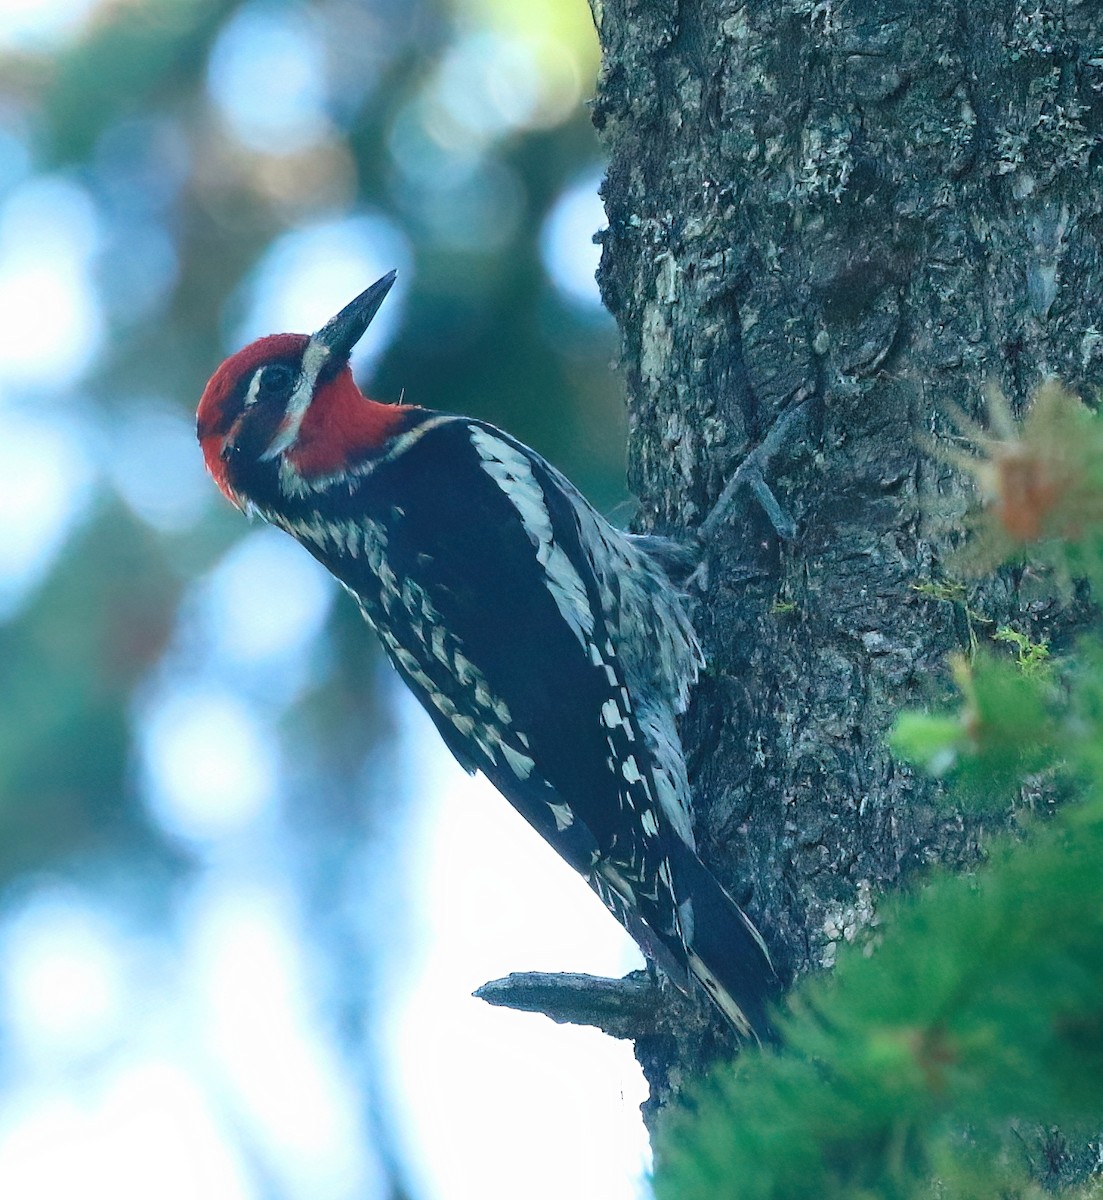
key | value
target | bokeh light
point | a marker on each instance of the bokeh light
(45, 484)
(63, 976)
(266, 74)
(146, 1128)
(41, 26)
(210, 762)
(52, 326)
(486, 86)
(253, 1003)
(153, 465)
(314, 271)
(267, 599)
(567, 246)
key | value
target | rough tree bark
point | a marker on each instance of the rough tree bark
(869, 209)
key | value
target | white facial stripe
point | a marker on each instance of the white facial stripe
(315, 357)
(254, 387)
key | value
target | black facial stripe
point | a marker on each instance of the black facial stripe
(235, 404)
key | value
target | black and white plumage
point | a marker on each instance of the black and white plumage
(551, 650)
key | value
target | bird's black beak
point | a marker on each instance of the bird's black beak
(340, 334)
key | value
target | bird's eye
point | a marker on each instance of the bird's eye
(273, 382)
(276, 380)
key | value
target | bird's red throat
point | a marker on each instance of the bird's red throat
(341, 428)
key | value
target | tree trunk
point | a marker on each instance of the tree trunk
(856, 214)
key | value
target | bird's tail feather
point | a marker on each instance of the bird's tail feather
(724, 951)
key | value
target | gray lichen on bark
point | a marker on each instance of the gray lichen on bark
(881, 206)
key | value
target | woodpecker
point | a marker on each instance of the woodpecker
(551, 650)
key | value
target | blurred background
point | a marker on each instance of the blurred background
(244, 894)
